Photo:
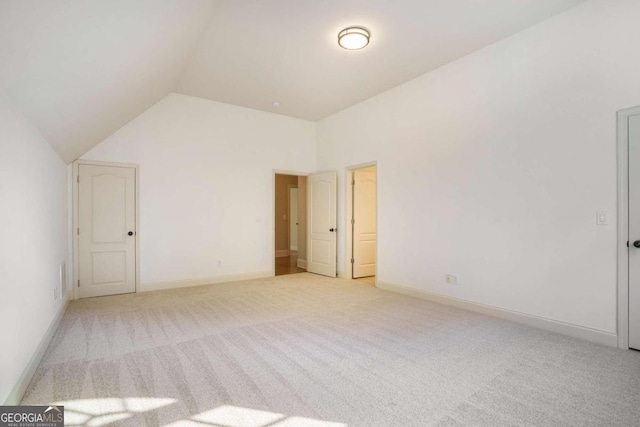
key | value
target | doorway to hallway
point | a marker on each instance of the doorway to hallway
(290, 224)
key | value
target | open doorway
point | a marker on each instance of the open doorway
(290, 224)
(362, 222)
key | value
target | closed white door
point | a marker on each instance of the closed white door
(634, 231)
(321, 223)
(364, 223)
(106, 232)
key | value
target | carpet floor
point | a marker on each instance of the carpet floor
(304, 350)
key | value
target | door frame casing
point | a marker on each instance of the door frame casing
(623, 225)
(76, 214)
(348, 242)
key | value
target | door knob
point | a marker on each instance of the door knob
(636, 243)
(332, 230)
(130, 233)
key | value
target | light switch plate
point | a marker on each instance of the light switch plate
(602, 218)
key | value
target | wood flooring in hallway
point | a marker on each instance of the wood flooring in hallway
(288, 265)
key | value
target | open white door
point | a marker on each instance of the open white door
(321, 223)
(634, 231)
(364, 223)
(106, 232)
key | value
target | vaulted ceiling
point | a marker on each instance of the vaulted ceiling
(81, 69)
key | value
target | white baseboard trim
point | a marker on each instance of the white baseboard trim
(16, 395)
(302, 263)
(174, 284)
(282, 252)
(576, 331)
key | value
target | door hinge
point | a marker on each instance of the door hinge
(353, 183)
(78, 179)
(78, 283)
(353, 221)
(353, 260)
(78, 231)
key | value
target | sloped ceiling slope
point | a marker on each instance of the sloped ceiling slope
(258, 52)
(81, 69)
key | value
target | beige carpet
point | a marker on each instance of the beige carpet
(303, 350)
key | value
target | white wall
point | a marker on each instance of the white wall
(33, 241)
(492, 168)
(206, 184)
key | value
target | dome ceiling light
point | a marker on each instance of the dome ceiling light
(354, 38)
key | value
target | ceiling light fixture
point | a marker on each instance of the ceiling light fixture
(354, 38)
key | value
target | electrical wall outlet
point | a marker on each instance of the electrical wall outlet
(451, 279)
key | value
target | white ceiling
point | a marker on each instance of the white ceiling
(257, 52)
(81, 69)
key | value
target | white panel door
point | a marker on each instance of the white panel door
(364, 223)
(107, 234)
(321, 223)
(634, 232)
